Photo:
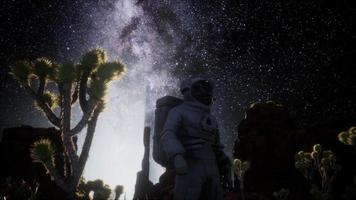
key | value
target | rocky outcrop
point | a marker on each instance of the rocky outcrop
(269, 139)
(144, 188)
(17, 163)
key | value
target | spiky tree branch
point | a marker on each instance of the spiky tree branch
(43, 152)
(75, 93)
(57, 178)
(87, 144)
(44, 107)
(84, 120)
(41, 87)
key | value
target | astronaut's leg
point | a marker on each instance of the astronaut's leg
(181, 186)
(215, 191)
(188, 186)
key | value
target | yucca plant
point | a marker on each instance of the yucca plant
(318, 162)
(21, 70)
(282, 194)
(85, 82)
(240, 168)
(119, 189)
(43, 152)
(18, 189)
(348, 137)
(101, 191)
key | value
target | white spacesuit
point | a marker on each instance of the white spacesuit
(191, 141)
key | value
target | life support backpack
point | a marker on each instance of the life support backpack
(163, 106)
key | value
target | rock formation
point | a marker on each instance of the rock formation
(144, 186)
(269, 138)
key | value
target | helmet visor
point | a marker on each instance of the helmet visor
(202, 91)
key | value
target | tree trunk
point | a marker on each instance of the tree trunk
(61, 183)
(83, 90)
(44, 107)
(41, 87)
(86, 146)
(66, 93)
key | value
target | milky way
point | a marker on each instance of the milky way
(296, 53)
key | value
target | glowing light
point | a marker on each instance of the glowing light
(117, 148)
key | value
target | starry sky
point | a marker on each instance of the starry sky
(297, 53)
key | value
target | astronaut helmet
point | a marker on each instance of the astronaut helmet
(198, 89)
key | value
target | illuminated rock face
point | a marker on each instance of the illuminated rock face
(17, 163)
(269, 139)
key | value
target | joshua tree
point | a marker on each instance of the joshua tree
(348, 137)
(118, 191)
(282, 194)
(86, 82)
(18, 189)
(318, 162)
(101, 191)
(240, 169)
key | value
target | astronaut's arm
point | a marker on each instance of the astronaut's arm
(170, 143)
(224, 164)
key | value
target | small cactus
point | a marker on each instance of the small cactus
(317, 148)
(348, 137)
(282, 194)
(240, 168)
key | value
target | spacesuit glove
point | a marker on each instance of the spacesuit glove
(180, 165)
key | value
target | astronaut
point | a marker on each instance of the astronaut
(191, 141)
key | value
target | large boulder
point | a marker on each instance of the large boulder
(269, 138)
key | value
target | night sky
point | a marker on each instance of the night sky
(297, 53)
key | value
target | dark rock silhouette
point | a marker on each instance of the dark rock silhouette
(269, 139)
(16, 161)
(144, 186)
